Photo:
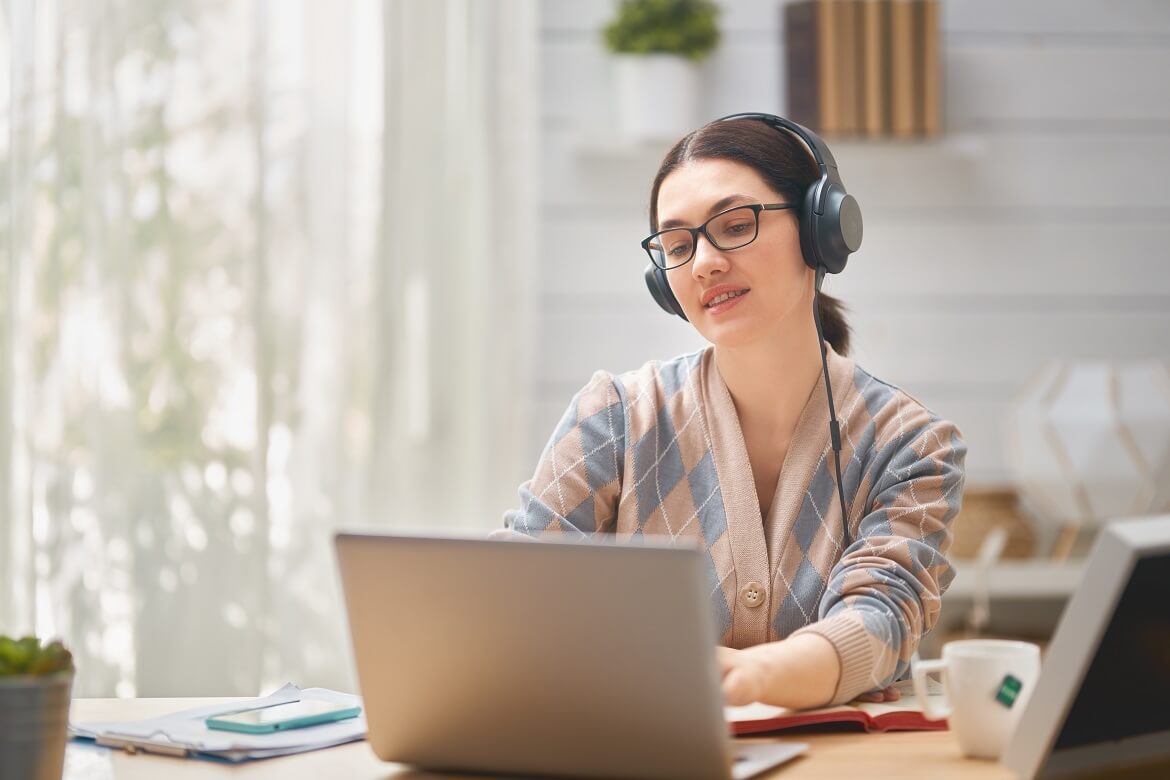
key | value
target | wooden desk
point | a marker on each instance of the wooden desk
(928, 755)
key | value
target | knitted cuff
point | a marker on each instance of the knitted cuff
(849, 638)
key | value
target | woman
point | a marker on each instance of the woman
(730, 447)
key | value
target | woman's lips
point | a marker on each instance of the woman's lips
(726, 301)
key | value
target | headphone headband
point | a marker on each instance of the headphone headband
(820, 150)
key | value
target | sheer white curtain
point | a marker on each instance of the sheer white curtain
(266, 272)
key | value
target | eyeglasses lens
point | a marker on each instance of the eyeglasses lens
(729, 230)
(733, 229)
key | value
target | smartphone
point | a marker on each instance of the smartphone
(278, 717)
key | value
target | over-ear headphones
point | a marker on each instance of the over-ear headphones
(830, 219)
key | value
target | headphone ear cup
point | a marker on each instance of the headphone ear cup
(827, 239)
(838, 229)
(660, 290)
(808, 227)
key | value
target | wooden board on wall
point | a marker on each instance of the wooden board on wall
(846, 48)
(828, 67)
(875, 68)
(930, 69)
(903, 103)
(803, 103)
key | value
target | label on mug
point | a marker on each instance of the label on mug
(1009, 690)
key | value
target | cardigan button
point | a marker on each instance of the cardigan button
(752, 594)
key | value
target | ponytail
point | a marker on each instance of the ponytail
(837, 331)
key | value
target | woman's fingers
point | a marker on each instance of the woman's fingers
(742, 676)
(508, 535)
(737, 688)
(886, 694)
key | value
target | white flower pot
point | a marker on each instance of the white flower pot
(657, 96)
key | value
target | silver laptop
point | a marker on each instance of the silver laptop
(553, 659)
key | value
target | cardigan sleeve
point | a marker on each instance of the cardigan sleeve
(578, 478)
(884, 593)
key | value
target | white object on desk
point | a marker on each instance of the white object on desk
(186, 733)
(982, 679)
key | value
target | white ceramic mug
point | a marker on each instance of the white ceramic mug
(986, 683)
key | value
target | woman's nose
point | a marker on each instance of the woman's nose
(707, 259)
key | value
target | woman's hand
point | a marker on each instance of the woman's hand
(744, 676)
(799, 672)
(886, 694)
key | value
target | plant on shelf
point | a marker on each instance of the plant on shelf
(35, 680)
(688, 28)
(656, 46)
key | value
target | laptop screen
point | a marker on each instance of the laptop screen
(1125, 692)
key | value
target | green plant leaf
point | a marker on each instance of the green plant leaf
(685, 27)
(27, 656)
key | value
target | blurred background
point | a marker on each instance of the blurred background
(271, 269)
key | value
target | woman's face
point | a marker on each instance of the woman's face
(768, 277)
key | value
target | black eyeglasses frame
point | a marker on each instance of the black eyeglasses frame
(756, 208)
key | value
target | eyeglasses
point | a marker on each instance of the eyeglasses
(731, 229)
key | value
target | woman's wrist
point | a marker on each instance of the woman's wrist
(799, 672)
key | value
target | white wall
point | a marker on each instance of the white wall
(1036, 228)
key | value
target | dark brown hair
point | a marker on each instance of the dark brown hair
(780, 159)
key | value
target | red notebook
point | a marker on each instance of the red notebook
(902, 715)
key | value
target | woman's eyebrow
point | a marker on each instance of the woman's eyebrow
(716, 207)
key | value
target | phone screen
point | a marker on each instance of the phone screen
(279, 713)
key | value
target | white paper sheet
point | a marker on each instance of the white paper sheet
(186, 732)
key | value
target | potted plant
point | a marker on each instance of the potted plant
(35, 681)
(657, 45)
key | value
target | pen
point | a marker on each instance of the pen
(132, 747)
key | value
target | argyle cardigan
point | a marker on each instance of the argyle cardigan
(659, 452)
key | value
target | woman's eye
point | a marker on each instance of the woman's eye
(738, 229)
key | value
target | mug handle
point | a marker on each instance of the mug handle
(919, 670)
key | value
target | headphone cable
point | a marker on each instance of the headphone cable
(834, 427)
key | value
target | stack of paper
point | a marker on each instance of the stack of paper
(186, 734)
